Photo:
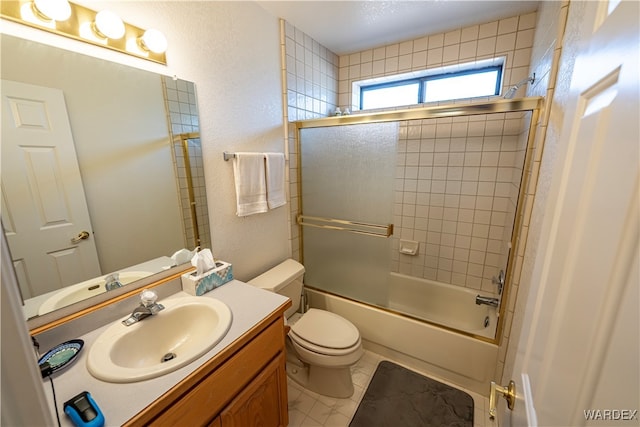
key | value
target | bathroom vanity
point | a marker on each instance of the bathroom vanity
(240, 381)
(245, 384)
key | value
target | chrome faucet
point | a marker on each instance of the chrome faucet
(112, 281)
(492, 302)
(148, 307)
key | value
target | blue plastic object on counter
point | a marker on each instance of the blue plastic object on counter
(83, 411)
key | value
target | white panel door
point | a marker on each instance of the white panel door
(43, 201)
(579, 345)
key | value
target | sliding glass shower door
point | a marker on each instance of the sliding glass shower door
(347, 179)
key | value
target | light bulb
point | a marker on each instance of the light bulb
(57, 10)
(109, 25)
(154, 41)
(29, 13)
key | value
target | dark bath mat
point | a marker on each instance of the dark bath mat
(398, 397)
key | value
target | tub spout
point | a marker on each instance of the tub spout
(493, 302)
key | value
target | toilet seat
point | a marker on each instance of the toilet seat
(326, 333)
(326, 351)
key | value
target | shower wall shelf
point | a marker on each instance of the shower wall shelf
(409, 247)
(345, 225)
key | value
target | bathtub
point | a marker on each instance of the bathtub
(452, 306)
(461, 359)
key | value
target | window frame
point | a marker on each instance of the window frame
(438, 76)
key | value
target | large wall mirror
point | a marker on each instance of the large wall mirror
(101, 173)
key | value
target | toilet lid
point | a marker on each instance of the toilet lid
(326, 329)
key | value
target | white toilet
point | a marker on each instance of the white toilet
(321, 346)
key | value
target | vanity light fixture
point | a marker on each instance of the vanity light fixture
(102, 28)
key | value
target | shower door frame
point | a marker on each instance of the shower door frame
(533, 104)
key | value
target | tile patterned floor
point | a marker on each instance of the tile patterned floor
(309, 409)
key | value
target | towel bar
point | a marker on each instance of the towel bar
(228, 156)
(352, 226)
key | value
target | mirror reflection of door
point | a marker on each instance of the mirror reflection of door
(43, 202)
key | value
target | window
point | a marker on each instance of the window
(389, 95)
(431, 88)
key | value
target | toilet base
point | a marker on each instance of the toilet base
(332, 382)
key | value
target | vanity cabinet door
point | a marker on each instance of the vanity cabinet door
(263, 402)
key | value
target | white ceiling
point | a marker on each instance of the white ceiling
(351, 26)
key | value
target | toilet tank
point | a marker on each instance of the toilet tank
(284, 279)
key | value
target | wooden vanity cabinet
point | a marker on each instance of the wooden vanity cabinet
(259, 404)
(244, 385)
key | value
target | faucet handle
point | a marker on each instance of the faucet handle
(499, 281)
(148, 297)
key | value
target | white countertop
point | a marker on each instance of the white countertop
(120, 402)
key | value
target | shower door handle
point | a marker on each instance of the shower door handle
(509, 393)
(377, 230)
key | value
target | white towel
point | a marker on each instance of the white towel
(276, 195)
(251, 189)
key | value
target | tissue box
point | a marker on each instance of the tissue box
(200, 285)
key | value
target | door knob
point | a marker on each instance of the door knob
(509, 393)
(84, 235)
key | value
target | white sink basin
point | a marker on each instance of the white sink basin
(83, 290)
(187, 328)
